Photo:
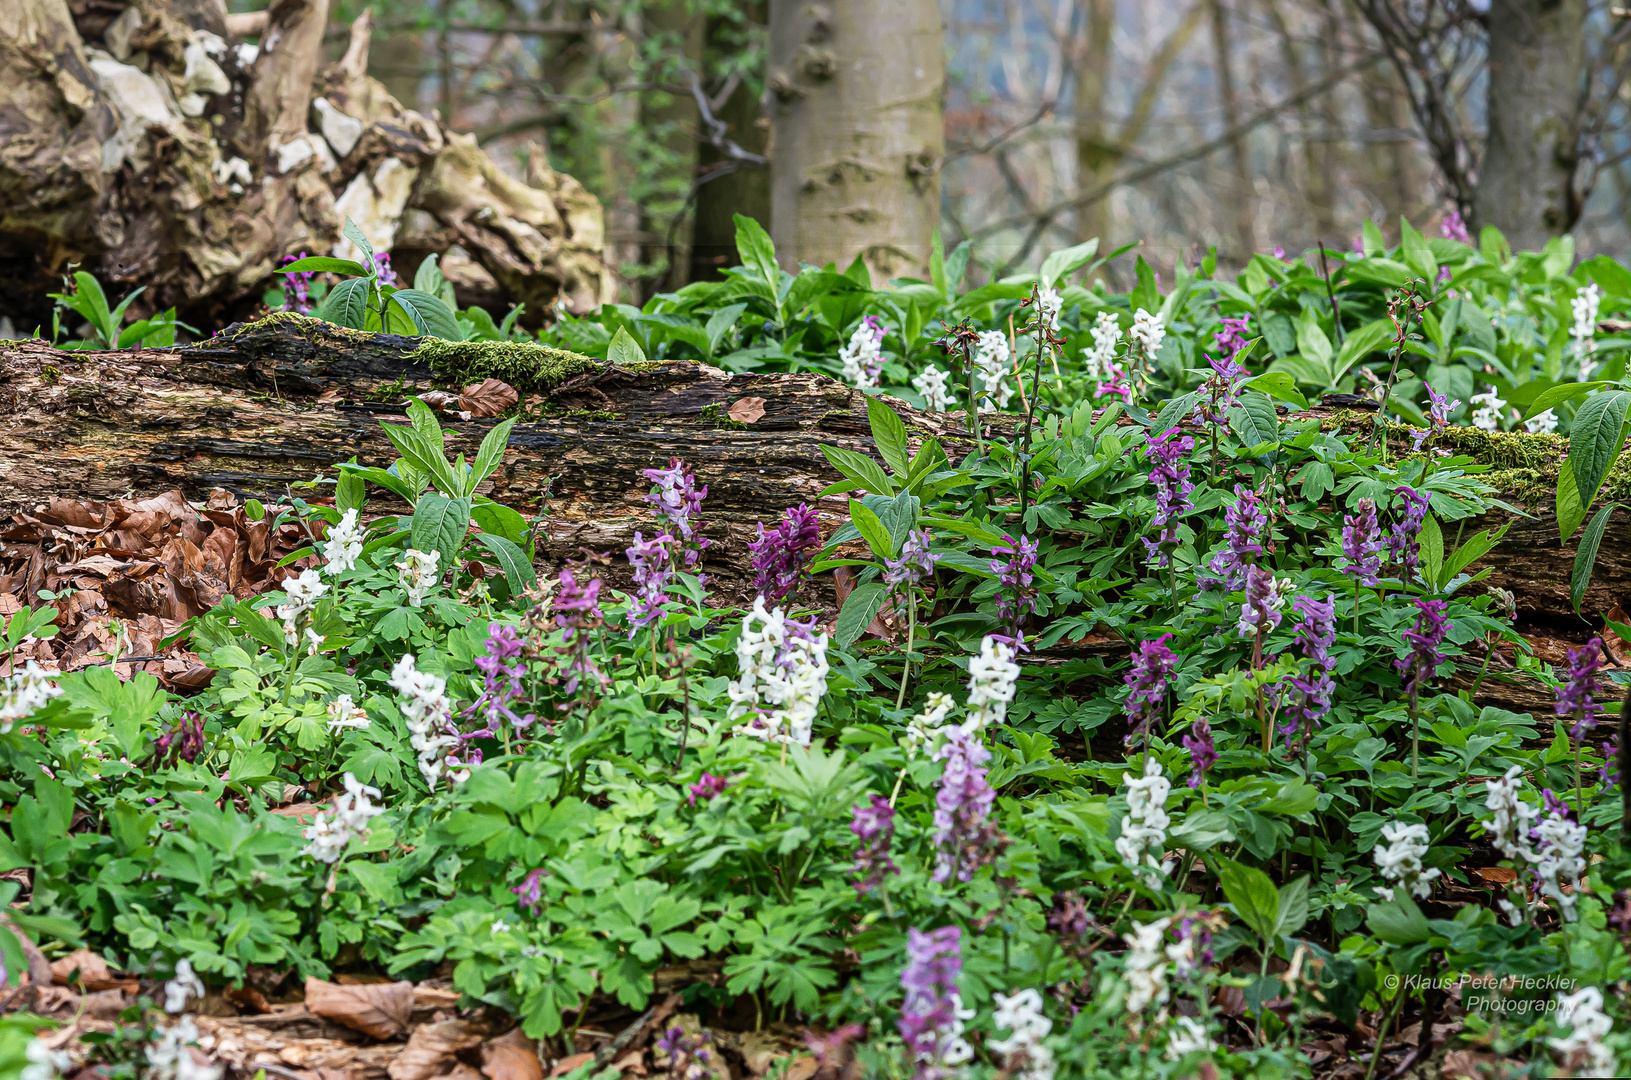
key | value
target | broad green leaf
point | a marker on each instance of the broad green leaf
(1595, 440)
(860, 608)
(624, 350)
(1398, 921)
(1253, 894)
(1360, 344)
(90, 290)
(1370, 237)
(859, 468)
(1380, 272)
(439, 524)
(1554, 396)
(1415, 252)
(1585, 557)
(428, 278)
(326, 264)
(720, 323)
(889, 435)
(1569, 511)
(489, 455)
(956, 266)
(350, 493)
(1614, 279)
(1254, 420)
(347, 303)
(1295, 798)
(1067, 260)
(518, 569)
(1312, 342)
(1431, 540)
(1202, 830)
(871, 528)
(1278, 384)
(429, 316)
(1292, 912)
(757, 252)
(1476, 547)
(355, 235)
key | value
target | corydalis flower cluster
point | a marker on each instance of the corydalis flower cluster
(931, 1017)
(1403, 548)
(782, 675)
(862, 358)
(652, 567)
(781, 556)
(873, 824)
(1169, 472)
(342, 546)
(934, 385)
(418, 573)
(915, 564)
(1421, 663)
(1399, 860)
(1016, 586)
(502, 668)
(1144, 829)
(992, 677)
(678, 501)
(427, 713)
(991, 357)
(303, 592)
(964, 837)
(1576, 698)
(25, 693)
(576, 607)
(1245, 530)
(1153, 664)
(1021, 1013)
(330, 835)
(1362, 544)
(1310, 691)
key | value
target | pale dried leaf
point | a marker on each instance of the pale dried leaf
(379, 1009)
(426, 996)
(511, 1057)
(562, 1067)
(490, 397)
(430, 1050)
(439, 399)
(747, 410)
(91, 968)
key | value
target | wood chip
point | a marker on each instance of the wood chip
(378, 1009)
(490, 397)
(747, 410)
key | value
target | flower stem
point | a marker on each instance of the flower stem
(911, 629)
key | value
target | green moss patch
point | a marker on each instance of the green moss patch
(527, 367)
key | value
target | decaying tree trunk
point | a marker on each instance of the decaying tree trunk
(141, 141)
(274, 403)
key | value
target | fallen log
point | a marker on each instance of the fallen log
(267, 405)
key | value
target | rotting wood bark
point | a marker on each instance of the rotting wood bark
(273, 403)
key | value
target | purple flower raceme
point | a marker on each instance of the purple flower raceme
(530, 893)
(781, 556)
(1439, 408)
(1016, 588)
(1170, 475)
(185, 741)
(1231, 337)
(874, 826)
(965, 839)
(1203, 751)
(1260, 613)
(1245, 528)
(1310, 692)
(1421, 663)
(653, 565)
(1576, 698)
(916, 562)
(1222, 388)
(502, 669)
(707, 788)
(382, 267)
(1453, 228)
(678, 501)
(1403, 549)
(1153, 665)
(931, 1017)
(297, 287)
(576, 607)
(1362, 544)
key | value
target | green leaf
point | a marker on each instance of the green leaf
(1413, 248)
(350, 492)
(430, 317)
(1360, 344)
(1311, 340)
(1254, 420)
(889, 435)
(1431, 540)
(1370, 237)
(720, 323)
(1294, 798)
(860, 608)
(859, 468)
(956, 266)
(500, 520)
(1253, 894)
(1553, 397)
(1068, 260)
(347, 303)
(757, 252)
(439, 524)
(1202, 830)
(327, 264)
(96, 301)
(1146, 294)
(871, 528)
(1398, 921)
(1569, 511)
(1292, 911)
(1595, 439)
(1585, 556)
(428, 278)
(624, 350)
(1380, 272)
(1278, 384)
(354, 234)
(518, 569)
(489, 455)
(1476, 547)
(1614, 279)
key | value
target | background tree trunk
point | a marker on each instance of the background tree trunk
(671, 118)
(858, 139)
(1526, 179)
(728, 188)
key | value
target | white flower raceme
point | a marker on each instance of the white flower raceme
(1149, 331)
(427, 713)
(1144, 829)
(352, 811)
(992, 676)
(1188, 1035)
(1559, 860)
(26, 693)
(1048, 306)
(1585, 305)
(170, 1059)
(1400, 860)
(303, 593)
(991, 357)
(185, 984)
(44, 1063)
(418, 574)
(1021, 1013)
(343, 547)
(932, 385)
(863, 356)
(1488, 414)
(782, 676)
(1508, 826)
(1106, 336)
(344, 713)
(1543, 423)
(922, 729)
(1587, 1024)
(1144, 968)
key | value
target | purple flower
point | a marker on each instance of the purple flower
(1153, 664)
(1422, 662)
(1453, 228)
(707, 788)
(382, 267)
(502, 669)
(1576, 698)
(1170, 476)
(874, 825)
(780, 557)
(929, 1022)
(1194, 933)
(1203, 751)
(678, 501)
(1401, 542)
(1260, 614)
(1245, 527)
(530, 893)
(185, 741)
(297, 287)
(653, 566)
(1231, 337)
(577, 611)
(1311, 691)
(1552, 804)
(1438, 417)
(1016, 588)
(964, 838)
(1362, 544)
(1222, 388)
(916, 562)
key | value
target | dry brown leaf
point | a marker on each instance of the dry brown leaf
(747, 410)
(426, 996)
(1467, 1065)
(91, 968)
(562, 1067)
(248, 999)
(761, 1050)
(511, 1057)
(380, 1009)
(1613, 644)
(633, 1063)
(430, 1049)
(802, 1068)
(1495, 875)
(439, 399)
(490, 397)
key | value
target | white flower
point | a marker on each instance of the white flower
(427, 713)
(418, 574)
(303, 592)
(1559, 860)
(1514, 914)
(1588, 1025)
(1144, 829)
(1508, 827)
(991, 356)
(992, 676)
(314, 641)
(500, 927)
(922, 728)
(1021, 1013)
(782, 676)
(352, 812)
(1144, 969)
(344, 713)
(170, 1059)
(186, 984)
(343, 547)
(1487, 416)
(44, 1063)
(1400, 860)
(26, 693)
(1149, 331)
(1187, 1035)
(1106, 336)
(1585, 306)
(1048, 306)
(932, 385)
(1542, 423)
(863, 356)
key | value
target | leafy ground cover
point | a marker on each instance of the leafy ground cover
(415, 811)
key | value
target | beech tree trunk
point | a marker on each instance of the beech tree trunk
(1526, 179)
(144, 142)
(857, 143)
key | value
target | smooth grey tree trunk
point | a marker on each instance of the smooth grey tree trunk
(857, 141)
(1536, 60)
